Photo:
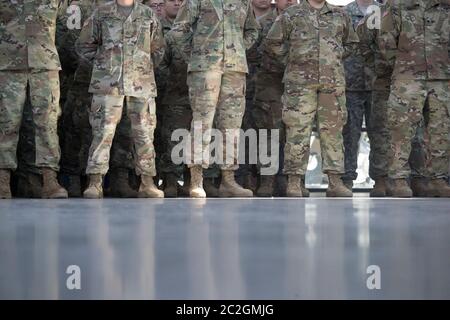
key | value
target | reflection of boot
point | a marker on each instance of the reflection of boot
(420, 187)
(229, 188)
(439, 188)
(401, 189)
(196, 190)
(119, 185)
(50, 186)
(74, 188)
(379, 189)
(5, 178)
(336, 187)
(265, 186)
(170, 186)
(148, 188)
(95, 188)
(305, 192)
(210, 188)
(29, 186)
(294, 189)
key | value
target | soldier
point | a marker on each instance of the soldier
(415, 41)
(123, 39)
(358, 93)
(313, 37)
(157, 6)
(266, 112)
(29, 63)
(212, 37)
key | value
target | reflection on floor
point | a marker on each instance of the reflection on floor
(225, 249)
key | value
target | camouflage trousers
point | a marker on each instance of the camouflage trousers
(267, 107)
(359, 105)
(173, 117)
(42, 89)
(304, 106)
(105, 115)
(407, 103)
(218, 96)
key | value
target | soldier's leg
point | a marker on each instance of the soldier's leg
(438, 128)
(142, 114)
(12, 100)
(356, 105)
(331, 119)
(44, 98)
(405, 111)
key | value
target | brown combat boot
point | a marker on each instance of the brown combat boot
(229, 188)
(305, 192)
(420, 187)
(51, 189)
(170, 186)
(294, 189)
(265, 188)
(120, 185)
(95, 188)
(148, 188)
(196, 190)
(379, 189)
(401, 189)
(5, 179)
(336, 187)
(348, 184)
(210, 188)
(74, 188)
(439, 188)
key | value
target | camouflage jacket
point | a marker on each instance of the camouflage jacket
(313, 42)
(123, 52)
(215, 34)
(162, 71)
(414, 39)
(358, 76)
(375, 63)
(27, 34)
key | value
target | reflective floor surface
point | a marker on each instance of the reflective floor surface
(225, 249)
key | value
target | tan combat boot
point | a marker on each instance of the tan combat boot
(170, 186)
(148, 188)
(305, 192)
(401, 189)
(5, 179)
(348, 184)
(50, 186)
(120, 185)
(294, 189)
(420, 187)
(336, 187)
(265, 188)
(196, 190)
(229, 188)
(439, 188)
(210, 188)
(95, 188)
(74, 189)
(379, 189)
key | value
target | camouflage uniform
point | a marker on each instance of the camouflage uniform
(212, 36)
(358, 78)
(123, 51)
(415, 40)
(29, 66)
(314, 43)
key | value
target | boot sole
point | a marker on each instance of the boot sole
(232, 195)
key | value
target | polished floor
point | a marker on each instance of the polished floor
(225, 249)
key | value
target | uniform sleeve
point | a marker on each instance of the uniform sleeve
(276, 44)
(251, 28)
(183, 25)
(389, 33)
(90, 39)
(350, 40)
(158, 44)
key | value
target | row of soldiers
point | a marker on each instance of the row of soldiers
(227, 64)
